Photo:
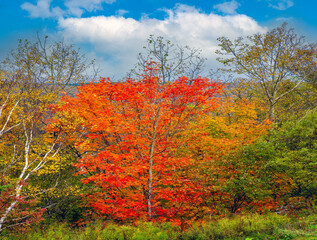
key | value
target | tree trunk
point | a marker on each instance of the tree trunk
(149, 196)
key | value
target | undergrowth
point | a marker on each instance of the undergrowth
(247, 227)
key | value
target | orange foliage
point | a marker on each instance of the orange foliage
(233, 125)
(114, 127)
(212, 138)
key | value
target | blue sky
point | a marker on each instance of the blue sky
(114, 31)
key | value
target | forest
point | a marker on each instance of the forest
(171, 151)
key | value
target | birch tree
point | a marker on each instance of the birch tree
(31, 79)
(25, 147)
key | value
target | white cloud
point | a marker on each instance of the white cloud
(118, 39)
(281, 4)
(42, 9)
(121, 12)
(77, 7)
(227, 7)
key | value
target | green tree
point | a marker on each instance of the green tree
(296, 147)
(281, 165)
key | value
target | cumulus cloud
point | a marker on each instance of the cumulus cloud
(227, 7)
(119, 39)
(43, 8)
(281, 4)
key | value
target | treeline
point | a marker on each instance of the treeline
(164, 144)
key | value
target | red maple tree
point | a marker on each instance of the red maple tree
(128, 135)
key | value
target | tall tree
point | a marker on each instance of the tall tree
(31, 79)
(25, 146)
(128, 135)
(278, 60)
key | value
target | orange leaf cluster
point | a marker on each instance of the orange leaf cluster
(119, 128)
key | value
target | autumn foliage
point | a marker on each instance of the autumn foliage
(128, 135)
(156, 147)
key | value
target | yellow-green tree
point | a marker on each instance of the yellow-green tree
(32, 78)
(277, 60)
